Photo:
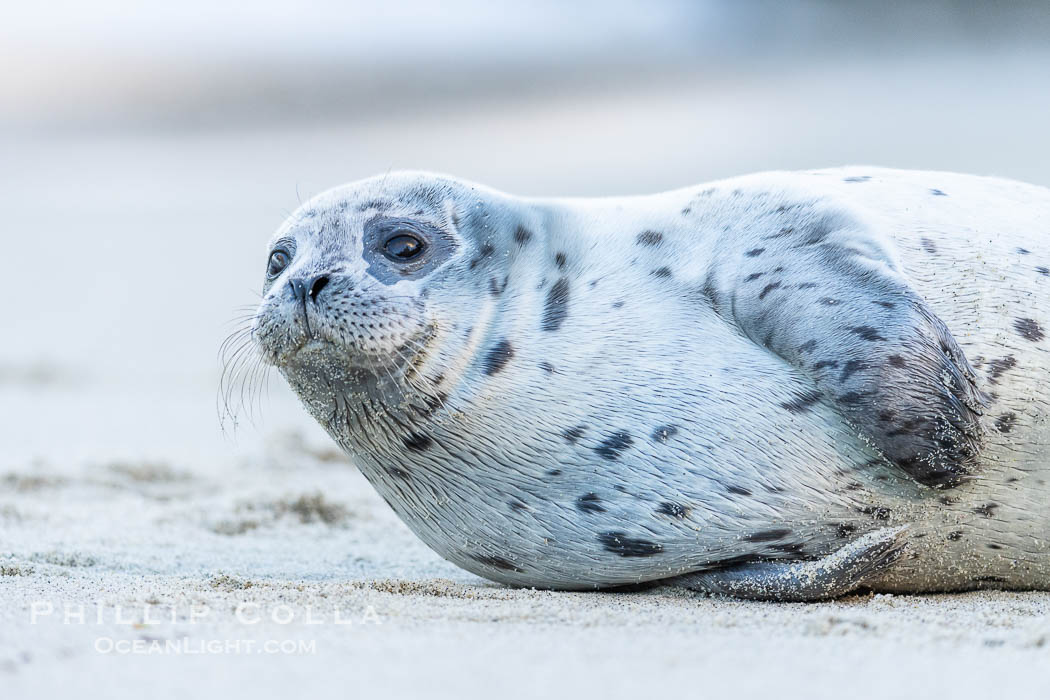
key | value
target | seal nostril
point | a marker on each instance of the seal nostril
(298, 289)
(320, 282)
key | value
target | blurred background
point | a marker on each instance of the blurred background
(148, 150)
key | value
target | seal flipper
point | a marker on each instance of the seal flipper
(825, 296)
(835, 575)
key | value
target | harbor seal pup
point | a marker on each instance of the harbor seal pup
(782, 386)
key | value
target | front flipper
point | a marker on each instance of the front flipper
(795, 582)
(825, 295)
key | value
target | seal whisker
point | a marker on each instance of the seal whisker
(236, 355)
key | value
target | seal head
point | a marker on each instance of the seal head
(370, 306)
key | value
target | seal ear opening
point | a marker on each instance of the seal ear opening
(859, 563)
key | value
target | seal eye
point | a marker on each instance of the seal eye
(279, 260)
(402, 246)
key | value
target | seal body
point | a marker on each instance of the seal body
(574, 394)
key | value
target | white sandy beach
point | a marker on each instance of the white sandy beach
(140, 577)
(130, 518)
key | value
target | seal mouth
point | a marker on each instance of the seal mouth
(319, 351)
(360, 333)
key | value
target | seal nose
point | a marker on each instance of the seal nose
(308, 287)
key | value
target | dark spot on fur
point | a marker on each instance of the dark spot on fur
(1029, 329)
(867, 333)
(664, 433)
(948, 500)
(955, 535)
(497, 357)
(929, 246)
(897, 361)
(1005, 422)
(618, 542)
(937, 193)
(554, 472)
(613, 445)
(617, 304)
(986, 509)
(997, 367)
(589, 503)
(364, 206)
(845, 530)
(886, 416)
(753, 276)
(768, 288)
(517, 505)
(662, 272)
(790, 547)
(675, 510)
(885, 304)
(1044, 271)
(808, 285)
(1023, 251)
(495, 288)
(559, 260)
(824, 364)
(992, 545)
(399, 473)
(768, 535)
(418, 442)
(808, 346)
(877, 512)
(989, 579)
(828, 301)
(802, 402)
(650, 238)
(755, 252)
(850, 367)
(907, 427)
(573, 434)
(556, 308)
(485, 251)
(737, 490)
(497, 563)
(522, 235)
(857, 178)
(851, 398)
(547, 367)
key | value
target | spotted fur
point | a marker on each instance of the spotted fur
(752, 372)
